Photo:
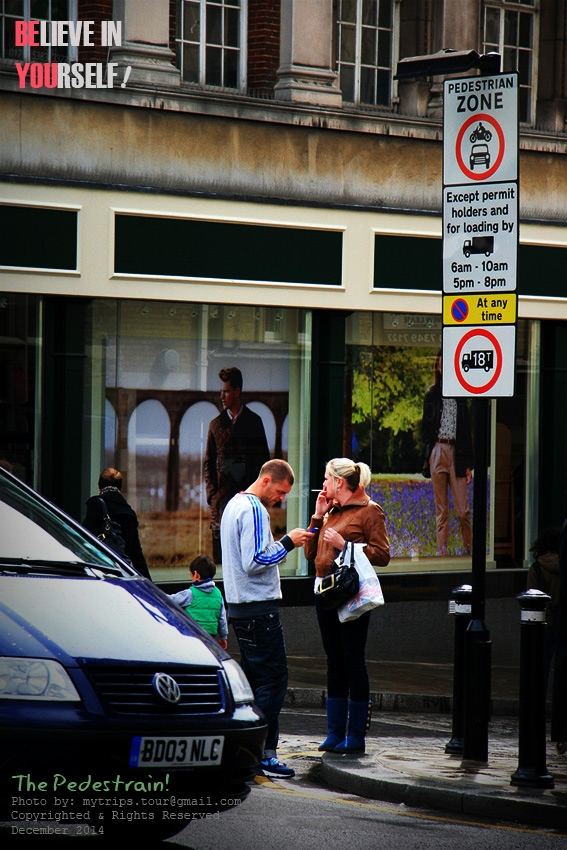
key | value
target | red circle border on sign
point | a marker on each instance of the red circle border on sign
(499, 132)
(459, 348)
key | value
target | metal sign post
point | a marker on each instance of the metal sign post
(480, 248)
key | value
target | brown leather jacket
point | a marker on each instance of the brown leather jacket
(360, 521)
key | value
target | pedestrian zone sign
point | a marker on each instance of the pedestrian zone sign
(480, 129)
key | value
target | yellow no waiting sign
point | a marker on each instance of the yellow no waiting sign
(493, 309)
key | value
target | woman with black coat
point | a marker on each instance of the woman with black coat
(119, 511)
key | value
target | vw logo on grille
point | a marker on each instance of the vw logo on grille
(166, 687)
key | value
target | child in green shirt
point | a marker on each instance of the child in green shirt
(203, 601)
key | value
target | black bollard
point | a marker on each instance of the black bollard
(476, 714)
(532, 766)
(460, 608)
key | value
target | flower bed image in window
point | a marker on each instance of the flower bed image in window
(410, 515)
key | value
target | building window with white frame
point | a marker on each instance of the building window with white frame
(34, 10)
(211, 42)
(511, 29)
(366, 50)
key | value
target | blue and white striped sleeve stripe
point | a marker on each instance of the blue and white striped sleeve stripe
(273, 552)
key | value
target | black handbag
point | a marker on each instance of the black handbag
(340, 585)
(111, 533)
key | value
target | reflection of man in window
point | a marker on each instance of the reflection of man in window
(236, 449)
(448, 458)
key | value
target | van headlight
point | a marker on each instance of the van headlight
(35, 678)
(239, 685)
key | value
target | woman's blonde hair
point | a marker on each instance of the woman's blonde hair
(354, 474)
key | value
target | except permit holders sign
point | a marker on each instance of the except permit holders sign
(480, 237)
(480, 129)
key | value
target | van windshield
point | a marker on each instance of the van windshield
(32, 530)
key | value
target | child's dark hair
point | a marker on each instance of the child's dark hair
(203, 565)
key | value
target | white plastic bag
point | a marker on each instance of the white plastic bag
(369, 594)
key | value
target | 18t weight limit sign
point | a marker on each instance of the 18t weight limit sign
(479, 361)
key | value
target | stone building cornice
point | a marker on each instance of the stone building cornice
(231, 105)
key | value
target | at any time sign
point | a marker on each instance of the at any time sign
(480, 129)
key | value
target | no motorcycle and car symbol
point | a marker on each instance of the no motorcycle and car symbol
(480, 146)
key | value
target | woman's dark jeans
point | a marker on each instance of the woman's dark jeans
(345, 646)
(263, 659)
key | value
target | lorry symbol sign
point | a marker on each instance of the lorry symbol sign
(477, 352)
(478, 359)
(479, 245)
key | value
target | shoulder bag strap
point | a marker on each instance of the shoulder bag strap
(352, 558)
(105, 515)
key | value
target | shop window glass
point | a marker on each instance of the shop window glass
(19, 385)
(148, 449)
(391, 359)
(110, 431)
(155, 383)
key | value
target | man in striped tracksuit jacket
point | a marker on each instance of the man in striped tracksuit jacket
(250, 561)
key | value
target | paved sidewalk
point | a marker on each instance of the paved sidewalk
(409, 764)
(417, 771)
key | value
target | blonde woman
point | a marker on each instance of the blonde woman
(345, 512)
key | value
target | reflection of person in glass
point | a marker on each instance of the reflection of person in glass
(448, 458)
(236, 449)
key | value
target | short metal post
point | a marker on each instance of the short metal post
(460, 608)
(532, 765)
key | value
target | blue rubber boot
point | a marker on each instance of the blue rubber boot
(358, 715)
(336, 722)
